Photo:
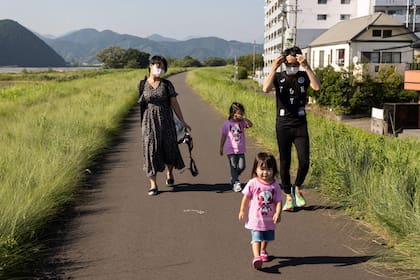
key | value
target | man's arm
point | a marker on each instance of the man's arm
(268, 82)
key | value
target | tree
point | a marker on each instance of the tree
(112, 57)
(134, 58)
(189, 61)
(214, 61)
(247, 61)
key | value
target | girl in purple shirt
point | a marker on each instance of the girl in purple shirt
(263, 199)
(233, 141)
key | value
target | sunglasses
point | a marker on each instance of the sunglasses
(292, 52)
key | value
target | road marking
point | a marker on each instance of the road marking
(201, 212)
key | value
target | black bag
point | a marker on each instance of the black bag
(187, 139)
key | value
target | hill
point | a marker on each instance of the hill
(159, 38)
(81, 46)
(21, 47)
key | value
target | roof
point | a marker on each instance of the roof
(348, 30)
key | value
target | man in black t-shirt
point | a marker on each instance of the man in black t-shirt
(291, 87)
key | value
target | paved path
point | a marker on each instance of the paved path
(192, 230)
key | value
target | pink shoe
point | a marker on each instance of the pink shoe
(257, 262)
(264, 256)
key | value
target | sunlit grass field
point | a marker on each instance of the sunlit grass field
(52, 126)
(375, 178)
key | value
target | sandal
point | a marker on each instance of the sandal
(170, 182)
(153, 191)
(264, 256)
(257, 262)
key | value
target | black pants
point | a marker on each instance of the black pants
(300, 138)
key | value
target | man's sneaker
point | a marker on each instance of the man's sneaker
(237, 186)
(299, 199)
(289, 205)
(257, 262)
(264, 256)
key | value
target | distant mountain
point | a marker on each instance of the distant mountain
(21, 47)
(81, 46)
(159, 38)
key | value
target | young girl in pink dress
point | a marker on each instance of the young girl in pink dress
(263, 200)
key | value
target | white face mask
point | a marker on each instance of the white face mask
(292, 70)
(156, 71)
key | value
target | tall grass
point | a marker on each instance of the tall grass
(50, 132)
(376, 178)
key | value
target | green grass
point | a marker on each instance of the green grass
(50, 133)
(375, 178)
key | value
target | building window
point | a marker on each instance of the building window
(370, 57)
(322, 1)
(386, 33)
(321, 59)
(376, 33)
(345, 1)
(340, 57)
(321, 17)
(344, 16)
(391, 57)
(330, 57)
(381, 33)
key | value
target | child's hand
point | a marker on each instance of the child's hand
(248, 123)
(277, 218)
(221, 151)
(241, 215)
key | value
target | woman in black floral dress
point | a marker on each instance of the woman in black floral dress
(160, 147)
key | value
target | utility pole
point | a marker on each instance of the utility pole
(295, 23)
(283, 25)
(253, 62)
(235, 70)
(414, 16)
(407, 15)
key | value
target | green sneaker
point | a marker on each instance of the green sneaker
(299, 199)
(289, 205)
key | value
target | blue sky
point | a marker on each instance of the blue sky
(241, 20)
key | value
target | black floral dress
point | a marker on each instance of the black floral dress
(160, 145)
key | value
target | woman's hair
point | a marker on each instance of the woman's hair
(265, 160)
(293, 51)
(161, 60)
(234, 108)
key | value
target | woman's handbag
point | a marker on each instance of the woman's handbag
(187, 139)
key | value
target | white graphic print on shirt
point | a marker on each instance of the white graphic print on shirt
(236, 132)
(265, 198)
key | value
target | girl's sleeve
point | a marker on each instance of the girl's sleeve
(247, 190)
(224, 129)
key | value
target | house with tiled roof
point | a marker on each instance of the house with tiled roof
(370, 41)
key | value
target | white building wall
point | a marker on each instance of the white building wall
(307, 19)
(365, 7)
(330, 56)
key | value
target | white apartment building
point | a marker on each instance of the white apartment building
(298, 22)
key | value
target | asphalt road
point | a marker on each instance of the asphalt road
(192, 231)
